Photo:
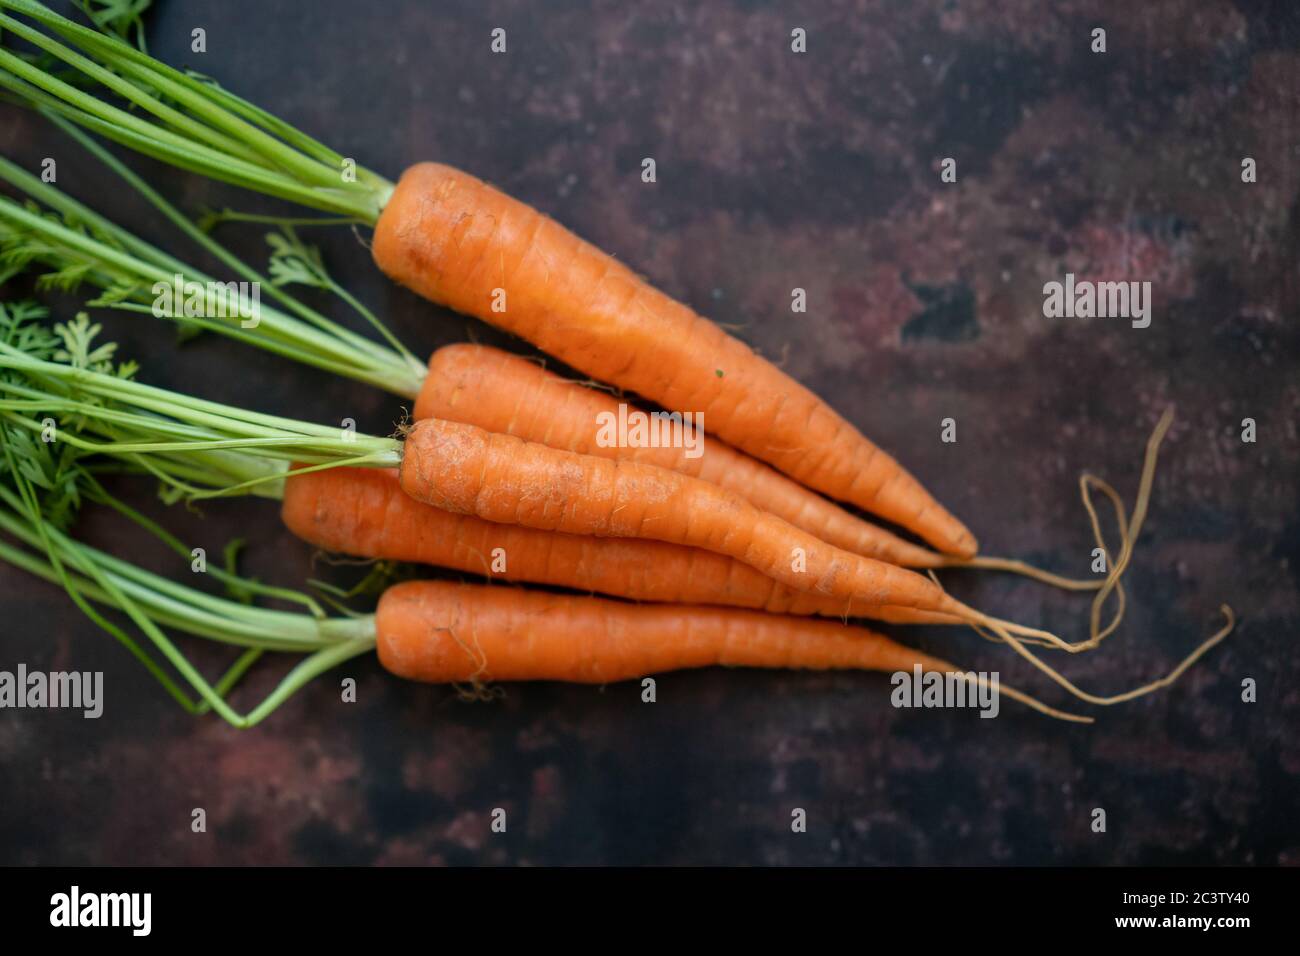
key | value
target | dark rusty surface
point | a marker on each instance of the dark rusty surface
(776, 171)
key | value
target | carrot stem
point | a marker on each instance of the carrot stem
(132, 269)
(183, 120)
(205, 425)
(153, 602)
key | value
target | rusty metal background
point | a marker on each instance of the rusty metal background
(774, 171)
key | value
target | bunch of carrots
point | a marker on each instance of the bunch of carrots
(749, 555)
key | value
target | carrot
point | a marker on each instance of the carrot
(363, 511)
(501, 392)
(461, 243)
(466, 470)
(446, 632)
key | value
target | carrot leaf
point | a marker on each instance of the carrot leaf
(122, 17)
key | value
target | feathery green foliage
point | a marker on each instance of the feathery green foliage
(45, 478)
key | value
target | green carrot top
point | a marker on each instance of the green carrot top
(46, 477)
(178, 117)
(76, 246)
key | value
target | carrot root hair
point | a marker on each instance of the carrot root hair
(1148, 688)
(1033, 702)
(474, 689)
(1117, 565)
(1007, 632)
(1103, 586)
(1129, 538)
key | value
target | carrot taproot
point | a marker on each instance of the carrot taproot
(462, 243)
(364, 512)
(500, 478)
(449, 632)
(500, 392)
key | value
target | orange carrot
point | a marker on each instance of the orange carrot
(459, 242)
(499, 478)
(501, 392)
(446, 632)
(363, 511)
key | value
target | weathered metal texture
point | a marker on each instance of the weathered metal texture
(775, 171)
